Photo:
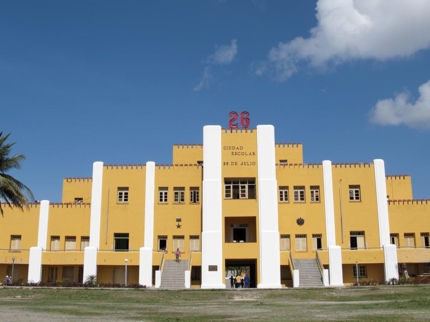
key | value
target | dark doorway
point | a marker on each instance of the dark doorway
(239, 234)
(353, 242)
(250, 264)
(121, 242)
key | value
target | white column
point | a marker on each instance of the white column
(212, 209)
(145, 254)
(335, 262)
(90, 252)
(334, 252)
(381, 200)
(270, 261)
(96, 204)
(35, 260)
(390, 258)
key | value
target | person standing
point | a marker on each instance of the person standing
(177, 255)
(238, 280)
(231, 281)
(405, 270)
(6, 280)
(246, 281)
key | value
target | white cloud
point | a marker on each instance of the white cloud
(401, 111)
(354, 29)
(205, 81)
(224, 54)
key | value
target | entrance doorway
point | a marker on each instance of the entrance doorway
(244, 266)
(239, 234)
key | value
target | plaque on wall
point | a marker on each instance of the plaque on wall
(213, 268)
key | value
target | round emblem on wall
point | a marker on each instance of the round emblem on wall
(300, 221)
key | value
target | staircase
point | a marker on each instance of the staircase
(309, 273)
(173, 275)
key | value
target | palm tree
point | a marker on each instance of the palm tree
(11, 190)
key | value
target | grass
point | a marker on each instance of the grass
(381, 303)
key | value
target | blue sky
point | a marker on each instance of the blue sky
(122, 81)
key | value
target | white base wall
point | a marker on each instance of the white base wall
(90, 262)
(296, 278)
(335, 262)
(212, 255)
(145, 266)
(270, 262)
(158, 279)
(390, 258)
(187, 279)
(35, 265)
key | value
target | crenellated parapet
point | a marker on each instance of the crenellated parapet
(300, 165)
(398, 177)
(351, 165)
(124, 166)
(229, 130)
(87, 179)
(288, 145)
(176, 166)
(409, 202)
(187, 146)
(70, 205)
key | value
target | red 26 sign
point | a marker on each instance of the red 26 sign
(244, 120)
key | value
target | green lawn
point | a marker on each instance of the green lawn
(381, 303)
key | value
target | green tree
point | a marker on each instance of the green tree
(12, 191)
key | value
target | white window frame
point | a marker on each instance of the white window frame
(85, 242)
(315, 193)
(394, 239)
(283, 194)
(55, 243)
(285, 243)
(299, 194)
(301, 243)
(163, 195)
(178, 195)
(194, 243)
(425, 240)
(179, 242)
(241, 185)
(123, 194)
(70, 243)
(360, 239)
(354, 193)
(194, 195)
(315, 238)
(15, 242)
(409, 239)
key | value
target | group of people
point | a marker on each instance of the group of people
(240, 281)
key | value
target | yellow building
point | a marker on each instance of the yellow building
(240, 199)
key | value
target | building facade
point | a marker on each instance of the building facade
(238, 199)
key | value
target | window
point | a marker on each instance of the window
(409, 240)
(194, 195)
(425, 240)
(178, 242)
(301, 243)
(285, 242)
(70, 243)
(123, 194)
(162, 194)
(178, 195)
(283, 162)
(79, 200)
(194, 243)
(354, 193)
(121, 242)
(55, 243)
(394, 239)
(52, 273)
(316, 241)
(315, 193)
(283, 194)
(239, 189)
(162, 243)
(357, 240)
(361, 271)
(299, 194)
(85, 242)
(15, 242)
